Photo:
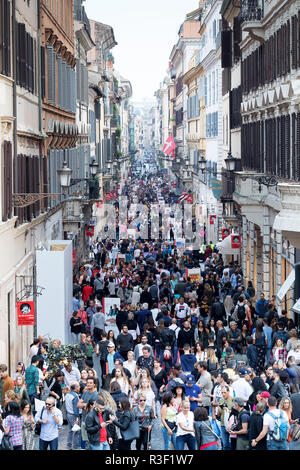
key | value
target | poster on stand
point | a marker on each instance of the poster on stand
(194, 274)
(108, 304)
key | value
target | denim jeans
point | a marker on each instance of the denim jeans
(277, 445)
(188, 439)
(225, 438)
(101, 446)
(168, 439)
(73, 437)
(43, 445)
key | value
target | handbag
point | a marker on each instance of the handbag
(296, 432)
(6, 443)
(172, 424)
(132, 432)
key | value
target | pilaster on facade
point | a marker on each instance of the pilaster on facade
(266, 252)
(252, 237)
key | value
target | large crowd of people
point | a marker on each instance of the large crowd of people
(208, 363)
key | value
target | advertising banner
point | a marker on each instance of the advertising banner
(25, 312)
(109, 304)
(225, 233)
(236, 243)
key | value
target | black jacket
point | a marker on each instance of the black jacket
(92, 425)
(167, 337)
(124, 420)
(255, 428)
(117, 396)
(186, 337)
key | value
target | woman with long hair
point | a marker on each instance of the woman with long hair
(185, 428)
(178, 391)
(83, 380)
(279, 352)
(260, 342)
(20, 370)
(13, 425)
(28, 426)
(111, 337)
(122, 379)
(168, 418)
(212, 360)
(201, 334)
(200, 353)
(20, 388)
(145, 389)
(122, 420)
(205, 436)
(286, 405)
(55, 389)
(159, 376)
(145, 416)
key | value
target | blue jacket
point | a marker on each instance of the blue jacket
(188, 361)
(261, 307)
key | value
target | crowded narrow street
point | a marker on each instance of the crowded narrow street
(149, 228)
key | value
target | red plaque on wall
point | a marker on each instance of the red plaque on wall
(25, 312)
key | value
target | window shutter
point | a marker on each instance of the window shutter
(22, 51)
(287, 146)
(294, 148)
(49, 74)
(226, 44)
(205, 90)
(237, 37)
(298, 147)
(288, 47)
(5, 38)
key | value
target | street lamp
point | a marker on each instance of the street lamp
(94, 168)
(230, 163)
(65, 176)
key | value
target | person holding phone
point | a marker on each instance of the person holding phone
(96, 427)
(51, 420)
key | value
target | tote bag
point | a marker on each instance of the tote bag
(132, 432)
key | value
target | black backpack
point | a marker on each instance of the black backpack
(241, 312)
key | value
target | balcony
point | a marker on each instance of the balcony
(228, 186)
(252, 10)
(80, 15)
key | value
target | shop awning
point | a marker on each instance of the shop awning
(225, 246)
(286, 286)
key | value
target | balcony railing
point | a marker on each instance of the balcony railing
(80, 14)
(252, 10)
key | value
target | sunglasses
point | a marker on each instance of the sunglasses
(142, 400)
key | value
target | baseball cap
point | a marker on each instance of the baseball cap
(190, 379)
(244, 371)
(110, 345)
(264, 395)
(239, 401)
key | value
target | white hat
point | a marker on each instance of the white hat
(110, 345)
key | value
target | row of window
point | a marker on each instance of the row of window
(273, 146)
(60, 82)
(275, 58)
(212, 124)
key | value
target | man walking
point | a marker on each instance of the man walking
(124, 342)
(32, 379)
(51, 420)
(73, 416)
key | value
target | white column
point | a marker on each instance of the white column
(259, 264)
(244, 246)
(266, 252)
(278, 263)
(251, 235)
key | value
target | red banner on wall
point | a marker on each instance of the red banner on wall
(90, 231)
(212, 219)
(25, 312)
(236, 243)
(225, 233)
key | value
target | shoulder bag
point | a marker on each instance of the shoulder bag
(38, 426)
(132, 432)
(215, 434)
(6, 443)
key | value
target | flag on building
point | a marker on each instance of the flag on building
(170, 146)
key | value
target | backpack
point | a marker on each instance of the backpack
(241, 312)
(281, 429)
